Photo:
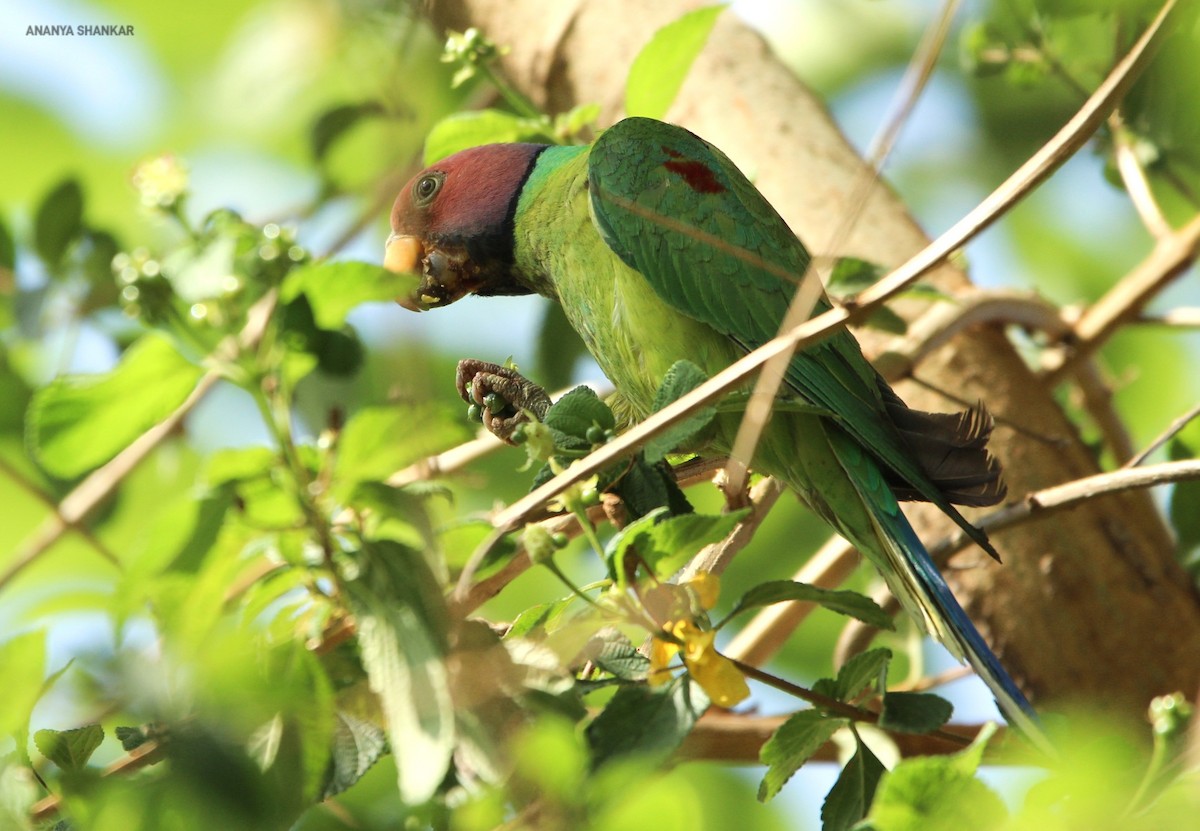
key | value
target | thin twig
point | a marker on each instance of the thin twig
(1170, 258)
(1134, 177)
(1165, 436)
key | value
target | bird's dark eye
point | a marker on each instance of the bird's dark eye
(426, 188)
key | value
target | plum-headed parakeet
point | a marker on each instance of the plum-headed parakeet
(659, 249)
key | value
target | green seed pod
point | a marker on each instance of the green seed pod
(475, 413)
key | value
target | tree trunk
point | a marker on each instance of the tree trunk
(1089, 604)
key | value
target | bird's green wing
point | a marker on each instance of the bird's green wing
(677, 210)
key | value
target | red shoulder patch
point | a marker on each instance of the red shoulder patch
(697, 175)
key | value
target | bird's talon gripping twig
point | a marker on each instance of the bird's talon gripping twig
(501, 395)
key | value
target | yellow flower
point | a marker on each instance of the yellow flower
(716, 674)
(161, 181)
(707, 587)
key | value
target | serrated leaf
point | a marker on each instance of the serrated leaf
(660, 67)
(666, 543)
(644, 488)
(796, 740)
(335, 122)
(644, 722)
(850, 797)
(907, 712)
(79, 422)
(470, 129)
(681, 378)
(576, 412)
(69, 749)
(843, 602)
(334, 288)
(357, 746)
(937, 793)
(861, 670)
(59, 221)
(401, 622)
(622, 659)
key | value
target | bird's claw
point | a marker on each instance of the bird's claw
(502, 395)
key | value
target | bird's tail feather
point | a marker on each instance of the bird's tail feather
(920, 587)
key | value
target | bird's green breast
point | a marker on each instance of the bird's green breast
(633, 335)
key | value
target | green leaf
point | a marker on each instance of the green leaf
(843, 602)
(644, 488)
(8, 252)
(666, 543)
(334, 288)
(23, 658)
(357, 746)
(681, 378)
(576, 412)
(621, 658)
(644, 722)
(540, 616)
(850, 797)
(796, 740)
(470, 129)
(938, 793)
(850, 275)
(861, 670)
(659, 69)
(907, 712)
(401, 619)
(69, 749)
(378, 441)
(79, 422)
(335, 122)
(59, 221)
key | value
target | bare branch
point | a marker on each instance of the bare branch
(1172, 255)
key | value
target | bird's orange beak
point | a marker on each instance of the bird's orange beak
(403, 256)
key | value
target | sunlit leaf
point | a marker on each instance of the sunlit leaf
(659, 69)
(334, 288)
(937, 793)
(79, 422)
(471, 129)
(666, 543)
(69, 749)
(23, 658)
(793, 744)
(401, 636)
(378, 441)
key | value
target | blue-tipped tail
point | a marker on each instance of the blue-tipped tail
(921, 588)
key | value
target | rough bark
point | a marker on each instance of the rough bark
(1088, 604)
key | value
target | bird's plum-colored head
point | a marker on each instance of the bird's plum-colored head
(452, 225)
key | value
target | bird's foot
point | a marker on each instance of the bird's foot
(500, 397)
